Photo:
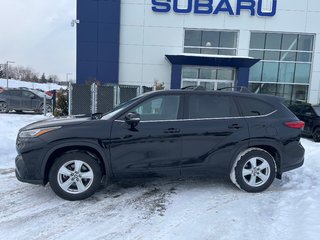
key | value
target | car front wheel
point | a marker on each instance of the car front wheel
(254, 170)
(75, 176)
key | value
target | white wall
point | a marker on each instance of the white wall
(146, 36)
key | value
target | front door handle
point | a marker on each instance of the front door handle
(234, 126)
(172, 130)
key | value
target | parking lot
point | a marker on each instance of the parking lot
(159, 209)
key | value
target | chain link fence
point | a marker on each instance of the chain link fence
(88, 99)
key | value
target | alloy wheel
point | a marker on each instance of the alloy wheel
(256, 172)
(75, 176)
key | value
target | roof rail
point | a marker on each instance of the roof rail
(195, 87)
(238, 89)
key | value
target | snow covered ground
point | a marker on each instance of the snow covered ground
(17, 83)
(160, 209)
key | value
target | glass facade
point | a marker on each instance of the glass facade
(285, 66)
(209, 42)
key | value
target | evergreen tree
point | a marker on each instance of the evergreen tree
(43, 78)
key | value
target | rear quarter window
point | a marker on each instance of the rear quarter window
(254, 107)
(211, 106)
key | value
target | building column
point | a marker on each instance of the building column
(176, 71)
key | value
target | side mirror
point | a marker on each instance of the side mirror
(132, 119)
(33, 97)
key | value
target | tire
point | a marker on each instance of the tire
(254, 170)
(41, 109)
(316, 135)
(4, 107)
(75, 176)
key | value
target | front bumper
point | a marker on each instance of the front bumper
(29, 161)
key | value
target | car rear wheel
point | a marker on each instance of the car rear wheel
(316, 135)
(254, 170)
(4, 107)
(75, 176)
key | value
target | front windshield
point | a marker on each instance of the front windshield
(317, 110)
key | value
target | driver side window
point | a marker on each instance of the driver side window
(159, 108)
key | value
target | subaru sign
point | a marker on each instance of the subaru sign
(254, 7)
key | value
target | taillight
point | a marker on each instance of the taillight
(295, 124)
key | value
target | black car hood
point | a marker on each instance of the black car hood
(55, 122)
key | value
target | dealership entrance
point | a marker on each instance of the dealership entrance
(211, 78)
(210, 71)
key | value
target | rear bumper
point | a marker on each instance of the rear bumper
(293, 157)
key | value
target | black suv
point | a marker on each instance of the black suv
(248, 137)
(311, 116)
(24, 100)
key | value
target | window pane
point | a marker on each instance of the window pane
(300, 93)
(288, 56)
(211, 106)
(254, 107)
(207, 85)
(254, 87)
(302, 73)
(267, 88)
(256, 54)
(284, 91)
(188, 83)
(286, 72)
(256, 72)
(304, 57)
(289, 42)
(209, 51)
(207, 73)
(228, 39)
(305, 43)
(192, 50)
(210, 39)
(190, 73)
(159, 108)
(225, 74)
(272, 55)
(192, 38)
(273, 41)
(270, 72)
(257, 40)
(227, 52)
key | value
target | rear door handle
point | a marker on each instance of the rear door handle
(172, 130)
(234, 126)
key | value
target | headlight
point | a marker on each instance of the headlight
(36, 132)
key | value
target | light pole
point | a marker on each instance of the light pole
(68, 74)
(7, 72)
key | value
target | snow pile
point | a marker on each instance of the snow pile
(17, 83)
(160, 209)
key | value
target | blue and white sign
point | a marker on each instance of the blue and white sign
(254, 7)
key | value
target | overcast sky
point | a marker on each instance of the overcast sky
(38, 34)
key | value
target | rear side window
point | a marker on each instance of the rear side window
(211, 106)
(254, 107)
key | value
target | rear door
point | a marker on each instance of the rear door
(213, 133)
(15, 99)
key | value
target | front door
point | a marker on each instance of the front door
(153, 147)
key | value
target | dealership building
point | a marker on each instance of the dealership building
(271, 46)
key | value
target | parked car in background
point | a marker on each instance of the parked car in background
(24, 100)
(310, 114)
(250, 138)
